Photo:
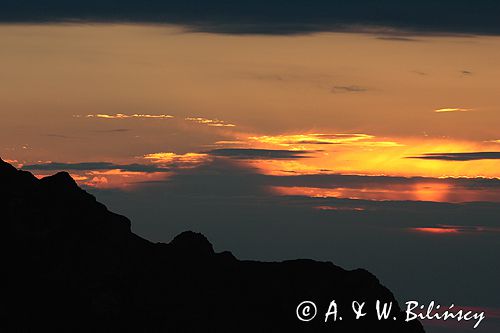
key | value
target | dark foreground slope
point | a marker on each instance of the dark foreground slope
(70, 265)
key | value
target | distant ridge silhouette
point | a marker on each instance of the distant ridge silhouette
(73, 266)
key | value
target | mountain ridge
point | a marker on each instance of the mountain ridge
(73, 265)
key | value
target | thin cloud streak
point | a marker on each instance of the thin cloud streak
(313, 138)
(449, 110)
(454, 229)
(114, 130)
(260, 154)
(348, 89)
(87, 166)
(210, 122)
(471, 156)
(324, 139)
(173, 160)
(125, 116)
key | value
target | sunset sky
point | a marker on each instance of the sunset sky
(299, 134)
(354, 103)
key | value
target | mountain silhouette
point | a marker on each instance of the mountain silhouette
(71, 265)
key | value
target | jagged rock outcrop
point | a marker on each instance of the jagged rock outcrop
(70, 265)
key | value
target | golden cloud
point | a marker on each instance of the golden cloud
(444, 110)
(210, 122)
(117, 178)
(126, 116)
(187, 160)
(324, 139)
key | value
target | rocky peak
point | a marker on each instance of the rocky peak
(193, 243)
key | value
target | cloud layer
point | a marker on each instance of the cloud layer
(473, 156)
(448, 110)
(85, 166)
(272, 16)
(260, 154)
(357, 139)
(210, 122)
(127, 116)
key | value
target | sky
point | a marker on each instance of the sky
(364, 136)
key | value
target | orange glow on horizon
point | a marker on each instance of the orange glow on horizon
(436, 192)
(450, 229)
(432, 192)
(437, 230)
(119, 179)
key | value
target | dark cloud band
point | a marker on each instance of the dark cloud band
(85, 166)
(460, 156)
(270, 16)
(260, 154)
